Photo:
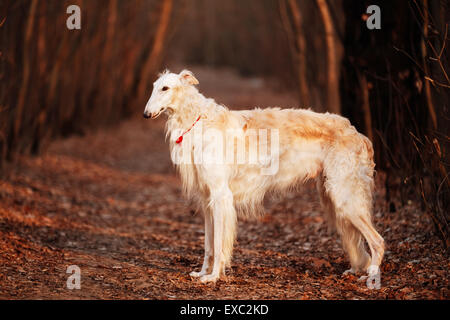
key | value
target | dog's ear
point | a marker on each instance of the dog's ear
(187, 77)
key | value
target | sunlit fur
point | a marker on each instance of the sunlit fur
(325, 147)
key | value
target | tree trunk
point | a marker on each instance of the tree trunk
(157, 48)
(425, 65)
(333, 97)
(366, 105)
(18, 118)
(301, 52)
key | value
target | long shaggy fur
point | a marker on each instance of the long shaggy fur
(325, 147)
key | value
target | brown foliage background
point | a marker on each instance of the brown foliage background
(392, 83)
(59, 82)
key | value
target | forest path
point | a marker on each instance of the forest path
(110, 203)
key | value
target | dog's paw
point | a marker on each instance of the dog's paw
(209, 278)
(373, 270)
(374, 275)
(196, 274)
(349, 271)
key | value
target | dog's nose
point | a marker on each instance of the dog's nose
(146, 115)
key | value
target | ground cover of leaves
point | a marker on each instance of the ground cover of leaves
(110, 203)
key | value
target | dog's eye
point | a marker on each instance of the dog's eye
(165, 88)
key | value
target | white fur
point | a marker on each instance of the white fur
(311, 145)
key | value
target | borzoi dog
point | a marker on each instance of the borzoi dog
(303, 145)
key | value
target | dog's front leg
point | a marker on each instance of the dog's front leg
(221, 201)
(209, 243)
(218, 256)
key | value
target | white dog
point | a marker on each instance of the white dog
(303, 145)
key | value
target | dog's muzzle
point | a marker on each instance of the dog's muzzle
(151, 115)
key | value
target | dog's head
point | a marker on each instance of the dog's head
(166, 92)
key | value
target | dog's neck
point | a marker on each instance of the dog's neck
(189, 106)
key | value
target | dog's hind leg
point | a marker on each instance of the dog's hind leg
(327, 204)
(209, 247)
(353, 243)
(353, 202)
(374, 240)
(351, 238)
(348, 169)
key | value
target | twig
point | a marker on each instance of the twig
(435, 82)
(411, 58)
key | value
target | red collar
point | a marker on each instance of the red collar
(180, 138)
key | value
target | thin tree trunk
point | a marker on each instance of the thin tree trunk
(157, 48)
(333, 97)
(301, 54)
(38, 124)
(425, 65)
(26, 73)
(108, 72)
(366, 105)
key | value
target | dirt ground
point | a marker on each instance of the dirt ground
(110, 203)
